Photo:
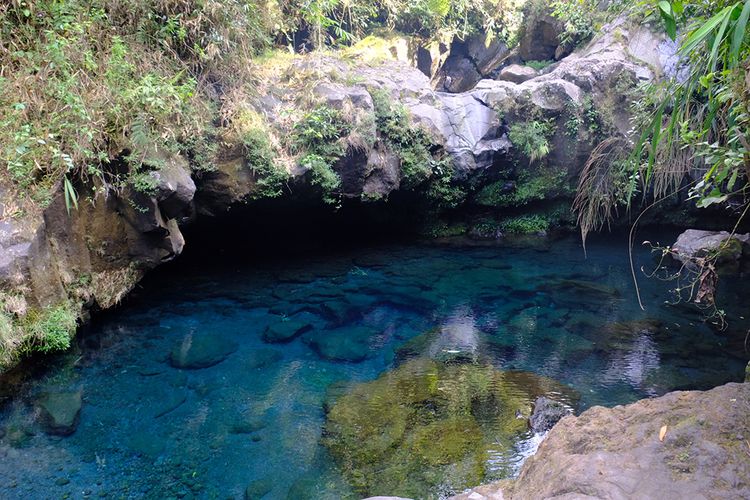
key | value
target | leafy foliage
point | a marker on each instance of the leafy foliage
(525, 224)
(707, 110)
(320, 135)
(531, 138)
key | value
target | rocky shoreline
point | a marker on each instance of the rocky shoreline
(685, 444)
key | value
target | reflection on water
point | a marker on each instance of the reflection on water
(215, 381)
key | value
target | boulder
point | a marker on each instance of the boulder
(175, 188)
(259, 488)
(59, 412)
(694, 244)
(197, 351)
(517, 73)
(618, 453)
(685, 444)
(547, 413)
(342, 344)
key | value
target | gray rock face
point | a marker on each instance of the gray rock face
(59, 412)
(469, 61)
(175, 188)
(546, 414)
(515, 73)
(540, 38)
(694, 243)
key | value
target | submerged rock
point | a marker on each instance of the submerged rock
(259, 488)
(428, 424)
(342, 344)
(197, 351)
(59, 412)
(546, 414)
(284, 331)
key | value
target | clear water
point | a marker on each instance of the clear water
(150, 430)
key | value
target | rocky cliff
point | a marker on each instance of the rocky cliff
(337, 129)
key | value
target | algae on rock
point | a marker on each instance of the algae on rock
(429, 425)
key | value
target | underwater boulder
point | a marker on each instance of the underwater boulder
(428, 425)
(348, 344)
(59, 412)
(284, 331)
(196, 351)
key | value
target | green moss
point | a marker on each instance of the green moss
(323, 176)
(49, 330)
(260, 156)
(540, 184)
(428, 424)
(538, 65)
(526, 224)
(319, 137)
(411, 144)
(36, 331)
(436, 228)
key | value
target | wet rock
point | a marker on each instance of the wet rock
(247, 426)
(546, 414)
(144, 442)
(285, 331)
(259, 488)
(59, 413)
(517, 74)
(197, 351)
(304, 488)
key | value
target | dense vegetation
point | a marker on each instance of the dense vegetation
(691, 132)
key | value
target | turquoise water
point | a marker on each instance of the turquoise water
(149, 428)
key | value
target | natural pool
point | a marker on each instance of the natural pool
(215, 377)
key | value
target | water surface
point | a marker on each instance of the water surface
(151, 429)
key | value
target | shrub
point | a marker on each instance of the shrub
(525, 224)
(411, 144)
(270, 177)
(49, 330)
(531, 138)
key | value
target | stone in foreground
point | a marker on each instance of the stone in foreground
(616, 452)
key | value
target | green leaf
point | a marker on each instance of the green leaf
(711, 200)
(718, 40)
(670, 25)
(739, 33)
(704, 32)
(71, 197)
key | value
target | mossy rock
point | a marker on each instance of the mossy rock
(429, 425)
